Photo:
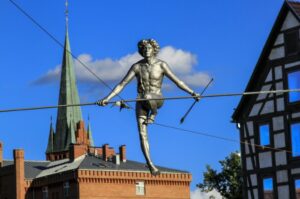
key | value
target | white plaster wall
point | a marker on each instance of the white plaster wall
(290, 21)
(265, 159)
(279, 39)
(282, 176)
(283, 192)
(277, 53)
(278, 123)
(268, 107)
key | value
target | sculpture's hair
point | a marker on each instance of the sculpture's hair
(152, 42)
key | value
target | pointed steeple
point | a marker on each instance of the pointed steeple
(68, 94)
(50, 145)
(70, 134)
(69, 124)
(89, 133)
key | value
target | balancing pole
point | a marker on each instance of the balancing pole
(191, 107)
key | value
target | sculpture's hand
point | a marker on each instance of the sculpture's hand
(196, 96)
(102, 102)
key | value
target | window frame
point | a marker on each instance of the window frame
(294, 70)
(263, 186)
(294, 185)
(259, 134)
(66, 188)
(45, 192)
(291, 139)
(138, 188)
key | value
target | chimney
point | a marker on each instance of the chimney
(77, 150)
(122, 152)
(105, 149)
(116, 159)
(1, 154)
(19, 173)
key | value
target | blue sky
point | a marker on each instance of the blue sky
(219, 39)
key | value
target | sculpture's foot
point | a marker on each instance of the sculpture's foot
(154, 171)
(150, 119)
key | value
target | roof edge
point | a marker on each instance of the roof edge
(284, 8)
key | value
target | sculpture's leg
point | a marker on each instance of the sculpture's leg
(153, 105)
(142, 127)
(153, 113)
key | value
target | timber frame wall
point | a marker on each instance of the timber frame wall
(275, 110)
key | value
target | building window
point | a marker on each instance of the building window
(66, 189)
(295, 134)
(268, 188)
(294, 83)
(297, 188)
(45, 192)
(292, 42)
(140, 188)
(264, 135)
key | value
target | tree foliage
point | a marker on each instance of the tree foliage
(229, 181)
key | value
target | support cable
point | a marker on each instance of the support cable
(220, 138)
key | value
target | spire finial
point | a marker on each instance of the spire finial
(51, 119)
(67, 13)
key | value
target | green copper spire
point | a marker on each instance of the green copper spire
(50, 146)
(68, 94)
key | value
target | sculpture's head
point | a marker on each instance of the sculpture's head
(148, 47)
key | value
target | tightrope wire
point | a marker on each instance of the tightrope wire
(163, 98)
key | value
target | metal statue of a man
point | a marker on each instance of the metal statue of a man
(149, 72)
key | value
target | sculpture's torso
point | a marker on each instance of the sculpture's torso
(150, 77)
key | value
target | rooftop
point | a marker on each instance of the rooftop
(38, 169)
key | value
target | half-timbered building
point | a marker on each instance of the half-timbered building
(269, 124)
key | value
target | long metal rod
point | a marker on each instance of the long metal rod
(192, 106)
(166, 98)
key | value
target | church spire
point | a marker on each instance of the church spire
(50, 139)
(69, 124)
(68, 94)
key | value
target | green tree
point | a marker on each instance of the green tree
(229, 181)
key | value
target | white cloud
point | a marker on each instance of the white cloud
(197, 79)
(51, 76)
(180, 61)
(197, 194)
(109, 70)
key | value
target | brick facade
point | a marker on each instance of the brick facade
(80, 183)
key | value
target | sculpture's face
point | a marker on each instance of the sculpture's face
(148, 51)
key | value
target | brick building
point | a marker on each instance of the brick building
(75, 168)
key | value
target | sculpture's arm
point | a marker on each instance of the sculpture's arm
(128, 77)
(180, 84)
